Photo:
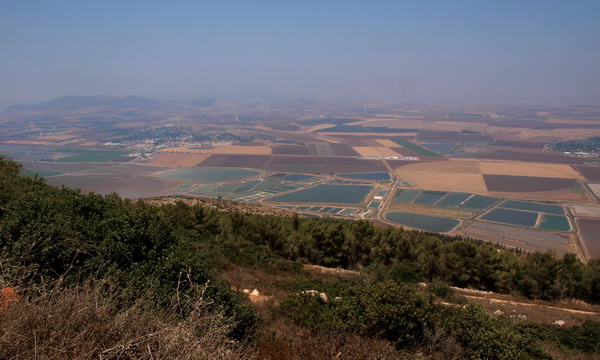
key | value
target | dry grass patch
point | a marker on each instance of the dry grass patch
(86, 323)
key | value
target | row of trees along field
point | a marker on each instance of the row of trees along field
(60, 249)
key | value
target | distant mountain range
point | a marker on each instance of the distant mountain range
(140, 102)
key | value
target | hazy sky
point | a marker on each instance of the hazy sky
(423, 50)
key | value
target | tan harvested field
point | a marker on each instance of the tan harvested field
(226, 149)
(178, 160)
(375, 151)
(585, 210)
(387, 143)
(562, 171)
(595, 188)
(462, 176)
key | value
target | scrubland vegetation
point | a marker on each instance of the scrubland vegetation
(101, 277)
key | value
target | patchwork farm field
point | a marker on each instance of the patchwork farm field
(500, 179)
(488, 172)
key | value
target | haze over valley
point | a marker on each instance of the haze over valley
(309, 180)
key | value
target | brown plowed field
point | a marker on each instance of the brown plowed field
(589, 229)
(405, 152)
(509, 183)
(342, 150)
(591, 173)
(245, 161)
(289, 150)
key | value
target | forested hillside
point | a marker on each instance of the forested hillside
(101, 277)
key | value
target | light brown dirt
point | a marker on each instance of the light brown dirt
(529, 169)
(375, 151)
(387, 143)
(177, 160)
(463, 176)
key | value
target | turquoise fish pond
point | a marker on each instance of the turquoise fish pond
(555, 223)
(512, 217)
(525, 205)
(379, 175)
(337, 194)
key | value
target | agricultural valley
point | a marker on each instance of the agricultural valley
(525, 178)
(287, 229)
